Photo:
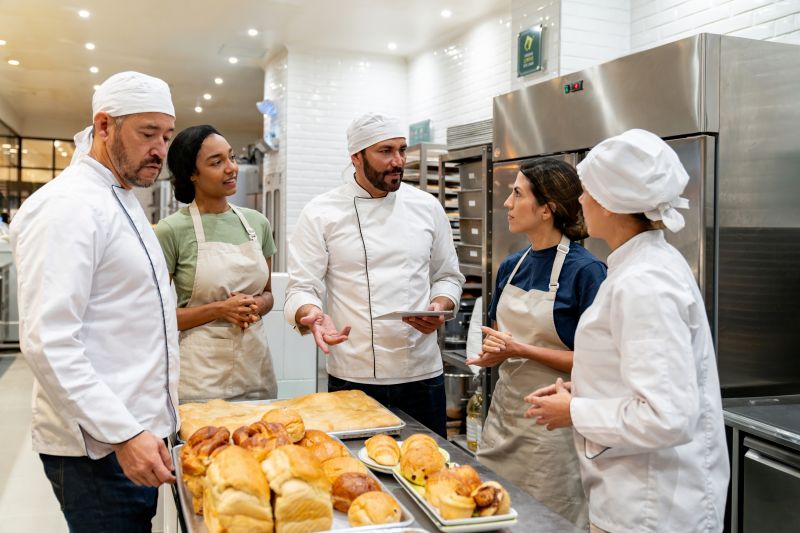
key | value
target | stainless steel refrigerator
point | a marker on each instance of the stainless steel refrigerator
(729, 108)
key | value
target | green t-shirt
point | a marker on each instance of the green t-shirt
(176, 235)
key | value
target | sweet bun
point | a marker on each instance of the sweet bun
(383, 449)
(323, 446)
(453, 505)
(447, 492)
(267, 430)
(196, 455)
(236, 497)
(350, 486)
(419, 462)
(469, 478)
(491, 499)
(337, 466)
(372, 508)
(290, 419)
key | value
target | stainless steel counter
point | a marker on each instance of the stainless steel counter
(534, 517)
(775, 418)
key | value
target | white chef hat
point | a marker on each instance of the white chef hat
(372, 128)
(637, 172)
(125, 93)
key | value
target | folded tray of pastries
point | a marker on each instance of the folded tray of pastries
(257, 479)
(451, 495)
(346, 414)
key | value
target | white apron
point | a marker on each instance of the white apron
(218, 359)
(541, 462)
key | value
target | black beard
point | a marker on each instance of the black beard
(376, 178)
(123, 165)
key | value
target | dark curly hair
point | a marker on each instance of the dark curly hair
(182, 159)
(556, 183)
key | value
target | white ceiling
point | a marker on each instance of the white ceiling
(187, 43)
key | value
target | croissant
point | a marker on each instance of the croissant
(383, 449)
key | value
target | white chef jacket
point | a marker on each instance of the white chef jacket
(646, 404)
(97, 315)
(365, 257)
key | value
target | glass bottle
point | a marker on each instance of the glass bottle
(475, 418)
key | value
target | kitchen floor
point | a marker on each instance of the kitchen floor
(27, 502)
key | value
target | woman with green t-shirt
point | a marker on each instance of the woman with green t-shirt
(220, 259)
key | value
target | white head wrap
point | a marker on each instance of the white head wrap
(372, 128)
(637, 172)
(125, 93)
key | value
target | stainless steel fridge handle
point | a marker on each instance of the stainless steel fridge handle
(757, 457)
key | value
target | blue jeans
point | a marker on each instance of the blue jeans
(96, 497)
(424, 400)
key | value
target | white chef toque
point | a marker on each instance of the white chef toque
(125, 93)
(637, 172)
(372, 128)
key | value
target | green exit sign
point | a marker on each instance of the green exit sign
(529, 51)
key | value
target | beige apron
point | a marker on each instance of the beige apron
(541, 462)
(218, 359)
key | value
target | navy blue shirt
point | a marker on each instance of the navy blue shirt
(578, 282)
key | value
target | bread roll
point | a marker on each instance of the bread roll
(196, 455)
(294, 462)
(419, 462)
(452, 506)
(469, 478)
(491, 499)
(290, 419)
(383, 449)
(350, 486)
(236, 498)
(337, 466)
(441, 483)
(372, 508)
(323, 446)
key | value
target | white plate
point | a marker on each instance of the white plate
(475, 523)
(367, 460)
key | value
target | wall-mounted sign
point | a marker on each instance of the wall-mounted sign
(419, 132)
(529, 51)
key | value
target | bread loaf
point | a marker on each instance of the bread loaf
(236, 497)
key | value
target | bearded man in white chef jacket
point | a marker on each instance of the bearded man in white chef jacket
(370, 247)
(97, 315)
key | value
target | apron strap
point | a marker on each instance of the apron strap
(251, 233)
(561, 254)
(519, 263)
(199, 234)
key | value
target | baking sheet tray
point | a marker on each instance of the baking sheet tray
(348, 434)
(195, 524)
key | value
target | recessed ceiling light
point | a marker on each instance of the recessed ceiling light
(6, 146)
(198, 109)
(207, 96)
(94, 70)
(24, 150)
(218, 81)
(233, 60)
(56, 143)
(89, 46)
(252, 32)
(446, 13)
(83, 14)
(392, 46)
(2, 42)
(63, 154)
(95, 87)
(13, 62)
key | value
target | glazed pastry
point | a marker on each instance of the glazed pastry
(350, 486)
(236, 497)
(290, 419)
(383, 449)
(452, 505)
(419, 462)
(196, 455)
(323, 446)
(469, 478)
(442, 483)
(337, 466)
(372, 508)
(260, 438)
(491, 499)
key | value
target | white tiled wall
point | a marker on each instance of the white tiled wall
(528, 13)
(327, 91)
(454, 83)
(655, 22)
(593, 31)
(294, 356)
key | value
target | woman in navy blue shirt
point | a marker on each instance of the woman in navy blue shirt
(540, 295)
